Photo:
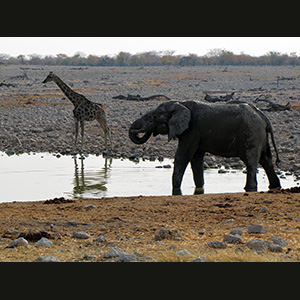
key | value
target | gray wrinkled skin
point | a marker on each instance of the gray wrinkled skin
(228, 130)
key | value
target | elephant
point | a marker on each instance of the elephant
(228, 130)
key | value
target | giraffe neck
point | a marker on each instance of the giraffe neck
(71, 95)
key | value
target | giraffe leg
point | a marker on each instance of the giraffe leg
(109, 135)
(105, 129)
(76, 132)
(105, 136)
(82, 135)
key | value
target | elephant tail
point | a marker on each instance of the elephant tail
(270, 130)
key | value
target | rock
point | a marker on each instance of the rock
(47, 259)
(258, 244)
(233, 239)
(114, 252)
(199, 259)
(100, 239)
(80, 235)
(229, 221)
(137, 254)
(44, 242)
(89, 207)
(274, 248)
(72, 223)
(182, 252)
(216, 245)
(296, 166)
(127, 257)
(236, 231)
(257, 229)
(10, 152)
(147, 258)
(166, 233)
(279, 241)
(263, 209)
(89, 257)
(18, 242)
(167, 166)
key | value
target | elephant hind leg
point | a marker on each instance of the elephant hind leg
(251, 162)
(266, 162)
(251, 184)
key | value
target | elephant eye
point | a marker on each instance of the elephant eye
(159, 119)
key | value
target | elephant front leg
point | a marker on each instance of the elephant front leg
(180, 164)
(197, 168)
(184, 154)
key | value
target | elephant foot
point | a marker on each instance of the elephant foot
(176, 191)
(199, 191)
(275, 186)
(250, 189)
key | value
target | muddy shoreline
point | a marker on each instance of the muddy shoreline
(37, 117)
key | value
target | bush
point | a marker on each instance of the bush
(154, 58)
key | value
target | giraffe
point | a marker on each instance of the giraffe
(84, 110)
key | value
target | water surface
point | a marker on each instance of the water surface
(41, 176)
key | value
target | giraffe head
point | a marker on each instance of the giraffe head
(50, 77)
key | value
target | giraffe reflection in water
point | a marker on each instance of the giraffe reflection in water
(92, 182)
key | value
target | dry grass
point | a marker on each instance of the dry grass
(136, 219)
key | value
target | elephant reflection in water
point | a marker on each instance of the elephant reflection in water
(90, 182)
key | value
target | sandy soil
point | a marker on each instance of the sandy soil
(131, 223)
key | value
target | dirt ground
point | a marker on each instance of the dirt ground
(131, 223)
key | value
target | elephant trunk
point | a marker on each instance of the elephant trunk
(139, 140)
(134, 132)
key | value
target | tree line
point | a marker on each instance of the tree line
(155, 58)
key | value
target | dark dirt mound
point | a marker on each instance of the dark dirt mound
(58, 201)
(293, 190)
(34, 236)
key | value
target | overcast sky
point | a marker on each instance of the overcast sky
(254, 46)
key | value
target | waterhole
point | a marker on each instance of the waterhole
(41, 176)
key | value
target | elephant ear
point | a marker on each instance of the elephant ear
(179, 120)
